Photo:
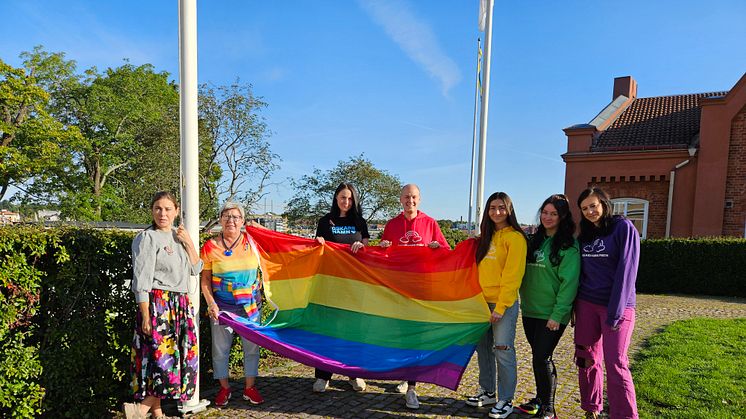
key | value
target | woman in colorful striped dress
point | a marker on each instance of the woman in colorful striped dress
(230, 283)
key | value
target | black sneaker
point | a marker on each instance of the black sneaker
(531, 407)
(546, 413)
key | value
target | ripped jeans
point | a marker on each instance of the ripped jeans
(499, 362)
(598, 345)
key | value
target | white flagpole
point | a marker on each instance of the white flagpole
(477, 95)
(484, 111)
(189, 155)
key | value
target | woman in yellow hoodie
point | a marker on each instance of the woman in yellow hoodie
(501, 258)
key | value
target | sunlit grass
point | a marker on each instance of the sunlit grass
(694, 368)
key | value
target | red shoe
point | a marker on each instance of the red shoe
(223, 396)
(252, 394)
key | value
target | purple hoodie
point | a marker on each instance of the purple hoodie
(609, 269)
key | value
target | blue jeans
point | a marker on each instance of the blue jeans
(222, 340)
(499, 362)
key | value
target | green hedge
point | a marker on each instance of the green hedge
(72, 318)
(66, 316)
(708, 266)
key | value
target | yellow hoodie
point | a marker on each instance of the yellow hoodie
(502, 269)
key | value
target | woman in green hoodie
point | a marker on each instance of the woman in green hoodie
(547, 295)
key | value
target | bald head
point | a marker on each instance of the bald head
(410, 200)
(410, 187)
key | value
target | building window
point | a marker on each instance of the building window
(634, 209)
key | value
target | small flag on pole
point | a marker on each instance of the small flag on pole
(479, 72)
(482, 14)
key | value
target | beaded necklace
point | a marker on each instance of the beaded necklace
(228, 250)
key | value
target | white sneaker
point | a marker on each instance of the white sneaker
(320, 385)
(411, 399)
(358, 384)
(402, 387)
(502, 409)
(482, 398)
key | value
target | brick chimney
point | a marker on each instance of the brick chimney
(626, 86)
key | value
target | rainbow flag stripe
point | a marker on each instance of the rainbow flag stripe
(405, 313)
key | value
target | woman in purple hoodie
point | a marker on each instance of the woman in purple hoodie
(605, 306)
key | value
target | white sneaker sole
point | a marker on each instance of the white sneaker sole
(479, 403)
(500, 415)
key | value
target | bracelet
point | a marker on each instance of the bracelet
(211, 304)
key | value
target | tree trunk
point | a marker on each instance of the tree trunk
(96, 177)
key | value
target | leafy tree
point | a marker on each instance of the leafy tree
(229, 116)
(378, 191)
(157, 167)
(127, 120)
(30, 138)
(117, 109)
(445, 224)
(113, 111)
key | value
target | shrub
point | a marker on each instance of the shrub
(704, 266)
(85, 322)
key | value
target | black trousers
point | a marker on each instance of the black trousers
(543, 341)
(324, 375)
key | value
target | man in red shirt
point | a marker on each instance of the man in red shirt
(412, 228)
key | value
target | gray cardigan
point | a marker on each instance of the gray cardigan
(159, 261)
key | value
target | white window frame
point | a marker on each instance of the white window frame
(625, 204)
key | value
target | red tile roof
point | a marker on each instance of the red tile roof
(655, 123)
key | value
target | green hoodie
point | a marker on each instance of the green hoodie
(548, 292)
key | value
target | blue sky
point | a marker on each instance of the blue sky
(395, 79)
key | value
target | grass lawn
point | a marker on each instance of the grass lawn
(693, 369)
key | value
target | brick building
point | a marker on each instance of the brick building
(675, 165)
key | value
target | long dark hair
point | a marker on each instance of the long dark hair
(355, 211)
(562, 239)
(157, 197)
(588, 230)
(487, 227)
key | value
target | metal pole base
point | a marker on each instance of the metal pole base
(193, 407)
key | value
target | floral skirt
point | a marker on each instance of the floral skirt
(165, 364)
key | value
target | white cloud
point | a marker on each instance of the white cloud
(275, 74)
(416, 38)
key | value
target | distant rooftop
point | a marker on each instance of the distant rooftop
(655, 123)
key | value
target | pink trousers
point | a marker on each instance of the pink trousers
(598, 342)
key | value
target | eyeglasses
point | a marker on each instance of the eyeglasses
(232, 218)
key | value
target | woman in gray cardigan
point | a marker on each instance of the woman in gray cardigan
(164, 348)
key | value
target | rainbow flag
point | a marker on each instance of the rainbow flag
(406, 313)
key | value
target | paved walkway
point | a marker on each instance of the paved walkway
(287, 388)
